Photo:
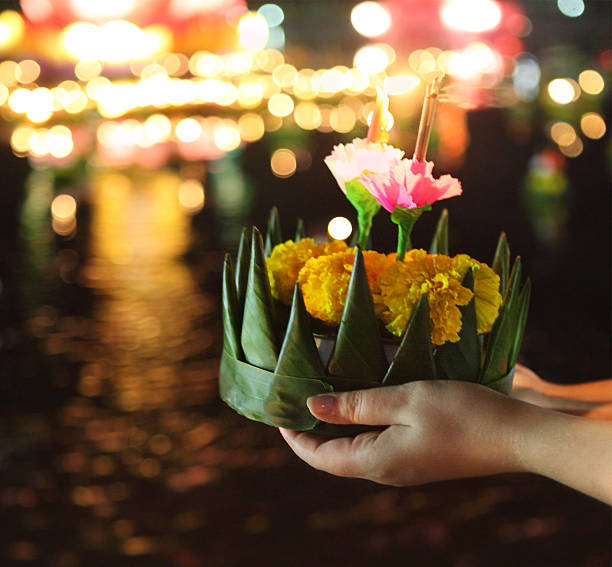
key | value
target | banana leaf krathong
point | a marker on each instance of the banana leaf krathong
(270, 365)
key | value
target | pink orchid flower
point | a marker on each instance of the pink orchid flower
(409, 184)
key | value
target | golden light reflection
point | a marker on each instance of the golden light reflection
(471, 15)
(27, 71)
(283, 163)
(307, 115)
(251, 127)
(253, 31)
(188, 130)
(63, 213)
(191, 196)
(563, 91)
(593, 125)
(372, 59)
(370, 19)
(572, 150)
(280, 105)
(401, 84)
(563, 133)
(591, 82)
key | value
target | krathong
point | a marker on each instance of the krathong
(302, 318)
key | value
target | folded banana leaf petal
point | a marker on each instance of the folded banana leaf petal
(523, 310)
(300, 230)
(439, 243)
(503, 385)
(461, 360)
(413, 359)
(358, 352)
(268, 397)
(242, 266)
(273, 233)
(501, 262)
(231, 328)
(299, 355)
(258, 337)
(502, 337)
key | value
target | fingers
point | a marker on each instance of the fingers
(350, 457)
(377, 406)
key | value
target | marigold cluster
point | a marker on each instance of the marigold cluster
(288, 258)
(324, 271)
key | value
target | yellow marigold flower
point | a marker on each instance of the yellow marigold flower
(433, 274)
(288, 258)
(487, 298)
(324, 282)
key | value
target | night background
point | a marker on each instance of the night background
(127, 174)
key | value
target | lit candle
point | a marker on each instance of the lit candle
(377, 132)
(427, 119)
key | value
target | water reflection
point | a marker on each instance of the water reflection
(123, 455)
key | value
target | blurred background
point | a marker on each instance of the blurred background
(139, 136)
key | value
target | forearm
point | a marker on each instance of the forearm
(572, 450)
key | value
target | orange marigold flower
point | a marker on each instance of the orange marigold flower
(324, 282)
(288, 258)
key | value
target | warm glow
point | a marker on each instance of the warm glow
(343, 118)
(573, 150)
(27, 71)
(562, 91)
(283, 163)
(11, 28)
(593, 125)
(157, 128)
(227, 136)
(563, 133)
(102, 10)
(251, 127)
(280, 105)
(372, 59)
(250, 94)
(85, 70)
(285, 75)
(401, 84)
(188, 130)
(116, 41)
(591, 82)
(20, 139)
(253, 31)
(40, 105)
(191, 196)
(339, 228)
(470, 15)
(19, 100)
(307, 115)
(59, 141)
(370, 19)
(63, 207)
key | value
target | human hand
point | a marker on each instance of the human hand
(436, 430)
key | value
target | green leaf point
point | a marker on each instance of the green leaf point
(273, 232)
(231, 325)
(439, 243)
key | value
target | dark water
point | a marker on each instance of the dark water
(115, 449)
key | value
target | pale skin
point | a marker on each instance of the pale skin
(440, 430)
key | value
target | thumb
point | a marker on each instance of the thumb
(376, 406)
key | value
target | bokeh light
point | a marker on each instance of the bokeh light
(471, 15)
(573, 150)
(372, 59)
(563, 133)
(591, 82)
(188, 130)
(401, 84)
(280, 105)
(191, 196)
(571, 8)
(253, 31)
(370, 19)
(339, 228)
(283, 163)
(593, 125)
(562, 91)
(273, 14)
(251, 127)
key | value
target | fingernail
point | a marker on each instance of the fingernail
(322, 405)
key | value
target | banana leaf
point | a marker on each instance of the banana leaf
(503, 335)
(439, 243)
(268, 397)
(503, 385)
(299, 355)
(501, 262)
(242, 266)
(358, 352)
(258, 337)
(231, 329)
(523, 309)
(413, 359)
(461, 360)
(273, 233)
(300, 230)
